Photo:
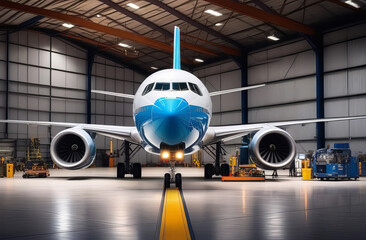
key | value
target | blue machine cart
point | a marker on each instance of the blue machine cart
(336, 163)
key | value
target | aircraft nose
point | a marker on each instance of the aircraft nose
(171, 119)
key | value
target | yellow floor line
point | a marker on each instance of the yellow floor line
(174, 222)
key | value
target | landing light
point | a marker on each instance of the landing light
(179, 155)
(165, 155)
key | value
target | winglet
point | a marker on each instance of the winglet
(176, 56)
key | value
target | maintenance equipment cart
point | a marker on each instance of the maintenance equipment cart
(336, 163)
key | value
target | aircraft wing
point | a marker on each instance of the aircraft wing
(235, 90)
(226, 133)
(114, 94)
(118, 132)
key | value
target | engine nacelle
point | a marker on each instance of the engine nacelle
(272, 148)
(73, 149)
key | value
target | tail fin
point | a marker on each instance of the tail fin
(176, 55)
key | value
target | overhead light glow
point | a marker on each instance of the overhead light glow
(155, 68)
(68, 25)
(124, 45)
(213, 12)
(218, 24)
(273, 37)
(98, 15)
(198, 60)
(179, 155)
(353, 4)
(132, 5)
(165, 155)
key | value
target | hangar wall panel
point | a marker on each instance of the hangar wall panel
(47, 82)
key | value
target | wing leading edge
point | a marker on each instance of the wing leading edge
(226, 133)
(118, 132)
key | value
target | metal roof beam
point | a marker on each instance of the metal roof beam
(263, 16)
(101, 28)
(195, 23)
(29, 23)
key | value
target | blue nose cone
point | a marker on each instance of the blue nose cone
(171, 120)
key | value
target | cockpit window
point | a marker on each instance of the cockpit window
(147, 89)
(180, 86)
(195, 88)
(162, 86)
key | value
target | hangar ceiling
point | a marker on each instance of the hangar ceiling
(101, 25)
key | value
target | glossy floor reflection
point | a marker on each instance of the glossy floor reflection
(93, 204)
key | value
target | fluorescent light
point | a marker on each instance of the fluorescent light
(124, 45)
(155, 68)
(353, 4)
(218, 24)
(132, 5)
(68, 25)
(213, 12)
(273, 37)
(198, 60)
(98, 15)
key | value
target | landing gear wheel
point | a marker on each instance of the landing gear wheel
(136, 170)
(166, 180)
(209, 171)
(225, 169)
(178, 181)
(120, 170)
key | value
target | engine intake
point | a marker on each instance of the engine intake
(73, 149)
(272, 148)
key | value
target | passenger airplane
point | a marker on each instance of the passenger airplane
(172, 110)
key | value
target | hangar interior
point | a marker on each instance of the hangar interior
(47, 72)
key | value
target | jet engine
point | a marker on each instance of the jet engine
(73, 149)
(272, 148)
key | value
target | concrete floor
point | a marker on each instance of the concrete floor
(93, 204)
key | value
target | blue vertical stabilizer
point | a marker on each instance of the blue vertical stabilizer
(176, 56)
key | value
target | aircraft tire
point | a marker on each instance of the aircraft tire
(166, 180)
(178, 181)
(225, 169)
(209, 168)
(120, 170)
(136, 170)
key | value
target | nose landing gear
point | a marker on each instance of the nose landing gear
(172, 177)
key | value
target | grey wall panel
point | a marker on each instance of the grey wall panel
(22, 74)
(23, 54)
(99, 69)
(74, 106)
(23, 38)
(58, 45)
(120, 73)
(75, 51)
(357, 81)
(305, 132)
(129, 75)
(2, 50)
(231, 101)
(305, 147)
(304, 64)
(58, 105)
(44, 58)
(33, 103)
(58, 61)
(44, 104)
(335, 84)
(76, 65)
(281, 113)
(33, 74)
(2, 70)
(14, 50)
(345, 34)
(110, 72)
(231, 118)
(13, 71)
(33, 39)
(74, 80)
(357, 52)
(99, 107)
(283, 92)
(258, 74)
(335, 57)
(75, 118)
(288, 49)
(111, 108)
(44, 41)
(58, 78)
(33, 56)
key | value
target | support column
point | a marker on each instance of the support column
(320, 127)
(7, 86)
(88, 86)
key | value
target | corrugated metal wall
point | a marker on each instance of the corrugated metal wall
(290, 94)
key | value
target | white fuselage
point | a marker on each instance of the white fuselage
(168, 108)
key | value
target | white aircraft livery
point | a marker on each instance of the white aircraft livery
(172, 110)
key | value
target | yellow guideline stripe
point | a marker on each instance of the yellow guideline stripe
(173, 220)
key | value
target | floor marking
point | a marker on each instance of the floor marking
(174, 222)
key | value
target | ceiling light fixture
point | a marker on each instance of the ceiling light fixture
(218, 24)
(124, 45)
(155, 68)
(353, 4)
(132, 5)
(68, 25)
(213, 12)
(273, 37)
(98, 15)
(198, 60)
